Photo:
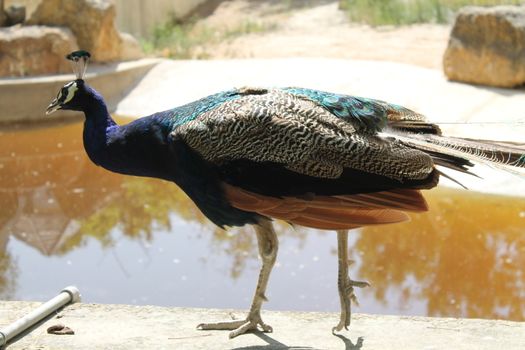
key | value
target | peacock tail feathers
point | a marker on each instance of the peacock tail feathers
(507, 156)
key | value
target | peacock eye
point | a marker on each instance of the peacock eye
(67, 92)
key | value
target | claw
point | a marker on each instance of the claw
(238, 327)
(347, 295)
(228, 325)
(345, 284)
(251, 326)
(350, 288)
(358, 284)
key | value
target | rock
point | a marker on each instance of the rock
(3, 16)
(16, 14)
(34, 50)
(92, 22)
(130, 49)
(487, 46)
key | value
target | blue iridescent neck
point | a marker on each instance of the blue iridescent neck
(98, 125)
(96, 111)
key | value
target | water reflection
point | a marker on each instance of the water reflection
(55, 196)
(464, 258)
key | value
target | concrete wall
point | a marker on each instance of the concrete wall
(139, 17)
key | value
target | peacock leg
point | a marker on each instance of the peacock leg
(268, 245)
(344, 283)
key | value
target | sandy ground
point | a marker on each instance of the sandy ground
(322, 30)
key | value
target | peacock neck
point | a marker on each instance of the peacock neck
(97, 114)
(98, 126)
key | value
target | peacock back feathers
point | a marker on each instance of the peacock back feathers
(366, 114)
(180, 115)
(369, 114)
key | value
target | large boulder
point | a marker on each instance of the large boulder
(35, 50)
(92, 22)
(487, 46)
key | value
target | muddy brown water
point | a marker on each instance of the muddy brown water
(139, 241)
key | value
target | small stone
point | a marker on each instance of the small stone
(60, 329)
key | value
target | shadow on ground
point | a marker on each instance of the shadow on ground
(274, 344)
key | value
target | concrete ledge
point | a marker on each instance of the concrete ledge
(25, 99)
(151, 327)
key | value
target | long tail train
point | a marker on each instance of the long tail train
(462, 153)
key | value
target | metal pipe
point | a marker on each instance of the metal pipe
(67, 295)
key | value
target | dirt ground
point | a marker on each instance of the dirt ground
(317, 28)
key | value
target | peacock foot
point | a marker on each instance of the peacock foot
(347, 295)
(238, 327)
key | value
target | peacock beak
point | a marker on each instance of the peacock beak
(53, 107)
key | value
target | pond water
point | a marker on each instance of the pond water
(64, 221)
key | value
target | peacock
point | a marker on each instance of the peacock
(312, 158)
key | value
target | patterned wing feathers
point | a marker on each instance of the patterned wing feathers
(282, 128)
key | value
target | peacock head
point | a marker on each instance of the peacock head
(70, 96)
